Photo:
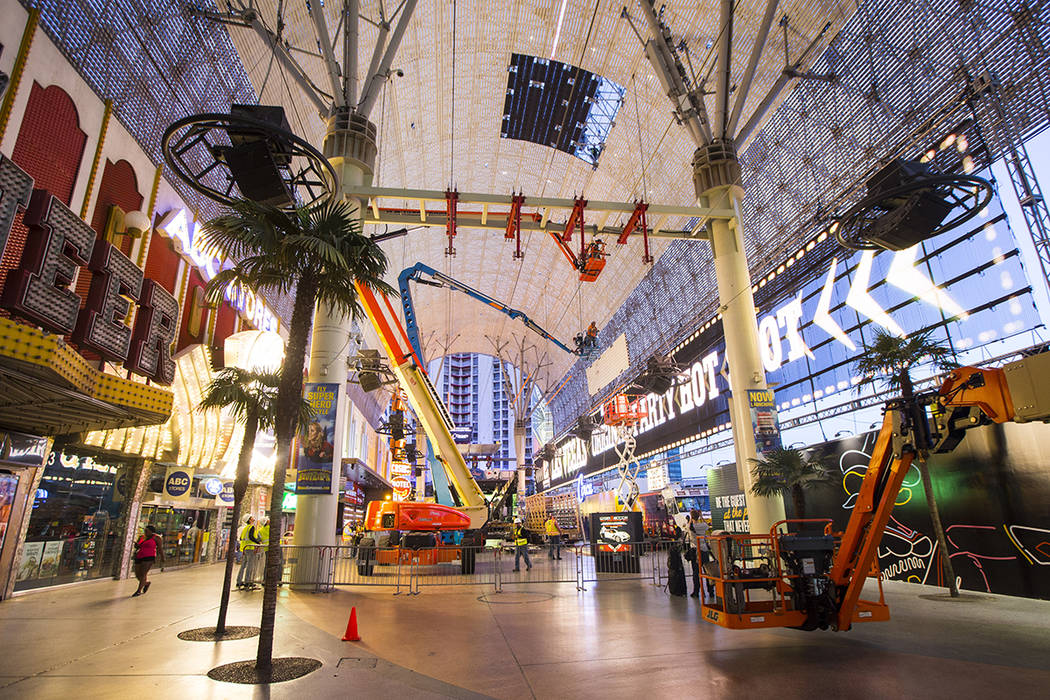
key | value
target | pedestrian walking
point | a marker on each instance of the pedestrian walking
(148, 548)
(521, 546)
(696, 549)
(248, 542)
(554, 538)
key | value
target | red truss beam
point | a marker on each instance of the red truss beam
(514, 224)
(636, 216)
(575, 216)
(451, 199)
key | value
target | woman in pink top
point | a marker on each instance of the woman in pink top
(147, 549)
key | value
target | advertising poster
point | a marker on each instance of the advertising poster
(613, 535)
(8, 486)
(50, 558)
(177, 482)
(314, 459)
(764, 419)
(31, 555)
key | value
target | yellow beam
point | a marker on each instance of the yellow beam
(18, 70)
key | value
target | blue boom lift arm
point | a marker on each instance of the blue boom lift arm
(419, 272)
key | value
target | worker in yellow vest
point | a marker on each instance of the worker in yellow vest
(249, 541)
(521, 545)
(554, 537)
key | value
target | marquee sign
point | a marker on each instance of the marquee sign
(38, 288)
(176, 226)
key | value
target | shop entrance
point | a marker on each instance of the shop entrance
(184, 531)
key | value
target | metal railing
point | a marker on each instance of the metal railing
(408, 571)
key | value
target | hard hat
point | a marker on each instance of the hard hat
(517, 521)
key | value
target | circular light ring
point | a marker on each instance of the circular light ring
(955, 188)
(312, 181)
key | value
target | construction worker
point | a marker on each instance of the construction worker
(249, 541)
(521, 545)
(592, 335)
(554, 537)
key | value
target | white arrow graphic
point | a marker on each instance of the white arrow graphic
(822, 318)
(905, 276)
(859, 299)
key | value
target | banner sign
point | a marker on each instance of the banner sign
(764, 419)
(225, 496)
(314, 463)
(177, 482)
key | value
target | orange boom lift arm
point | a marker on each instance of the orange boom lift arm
(801, 574)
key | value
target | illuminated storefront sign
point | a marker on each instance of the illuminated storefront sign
(176, 225)
(38, 288)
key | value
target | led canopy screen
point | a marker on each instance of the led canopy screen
(558, 105)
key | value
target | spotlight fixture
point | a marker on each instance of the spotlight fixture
(908, 202)
(369, 370)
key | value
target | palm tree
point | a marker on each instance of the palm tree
(890, 359)
(783, 472)
(317, 252)
(251, 398)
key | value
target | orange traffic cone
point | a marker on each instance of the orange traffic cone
(351, 628)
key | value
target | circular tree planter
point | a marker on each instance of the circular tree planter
(284, 669)
(207, 634)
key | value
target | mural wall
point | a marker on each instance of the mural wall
(994, 497)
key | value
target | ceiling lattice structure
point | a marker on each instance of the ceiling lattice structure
(429, 140)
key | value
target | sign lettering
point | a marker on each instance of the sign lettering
(38, 289)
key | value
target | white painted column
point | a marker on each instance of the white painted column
(739, 324)
(315, 518)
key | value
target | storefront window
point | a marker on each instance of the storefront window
(73, 527)
(184, 531)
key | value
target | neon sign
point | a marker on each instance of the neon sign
(177, 227)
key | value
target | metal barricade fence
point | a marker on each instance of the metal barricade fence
(452, 566)
(408, 570)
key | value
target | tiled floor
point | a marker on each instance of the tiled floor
(622, 639)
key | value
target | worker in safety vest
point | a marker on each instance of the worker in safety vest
(248, 540)
(521, 546)
(554, 537)
(592, 334)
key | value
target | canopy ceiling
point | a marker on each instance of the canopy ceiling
(440, 128)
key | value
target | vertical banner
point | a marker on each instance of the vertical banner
(314, 460)
(177, 482)
(764, 419)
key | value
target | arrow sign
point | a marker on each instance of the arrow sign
(822, 318)
(859, 298)
(905, 276)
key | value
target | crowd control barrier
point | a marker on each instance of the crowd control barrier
(408, 570)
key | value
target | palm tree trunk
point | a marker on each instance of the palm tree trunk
(799, 500)
(908, 393)
(938, 529)
(240, 487)
(289, 396)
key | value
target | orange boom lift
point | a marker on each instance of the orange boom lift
(801, 574)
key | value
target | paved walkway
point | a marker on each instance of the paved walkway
(616, 640)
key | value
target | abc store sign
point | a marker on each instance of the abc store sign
(38, 288)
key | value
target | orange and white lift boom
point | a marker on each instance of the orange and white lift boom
(431, 413)
(801, 574)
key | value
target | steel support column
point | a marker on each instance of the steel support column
(716, 175)
(350, 147)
